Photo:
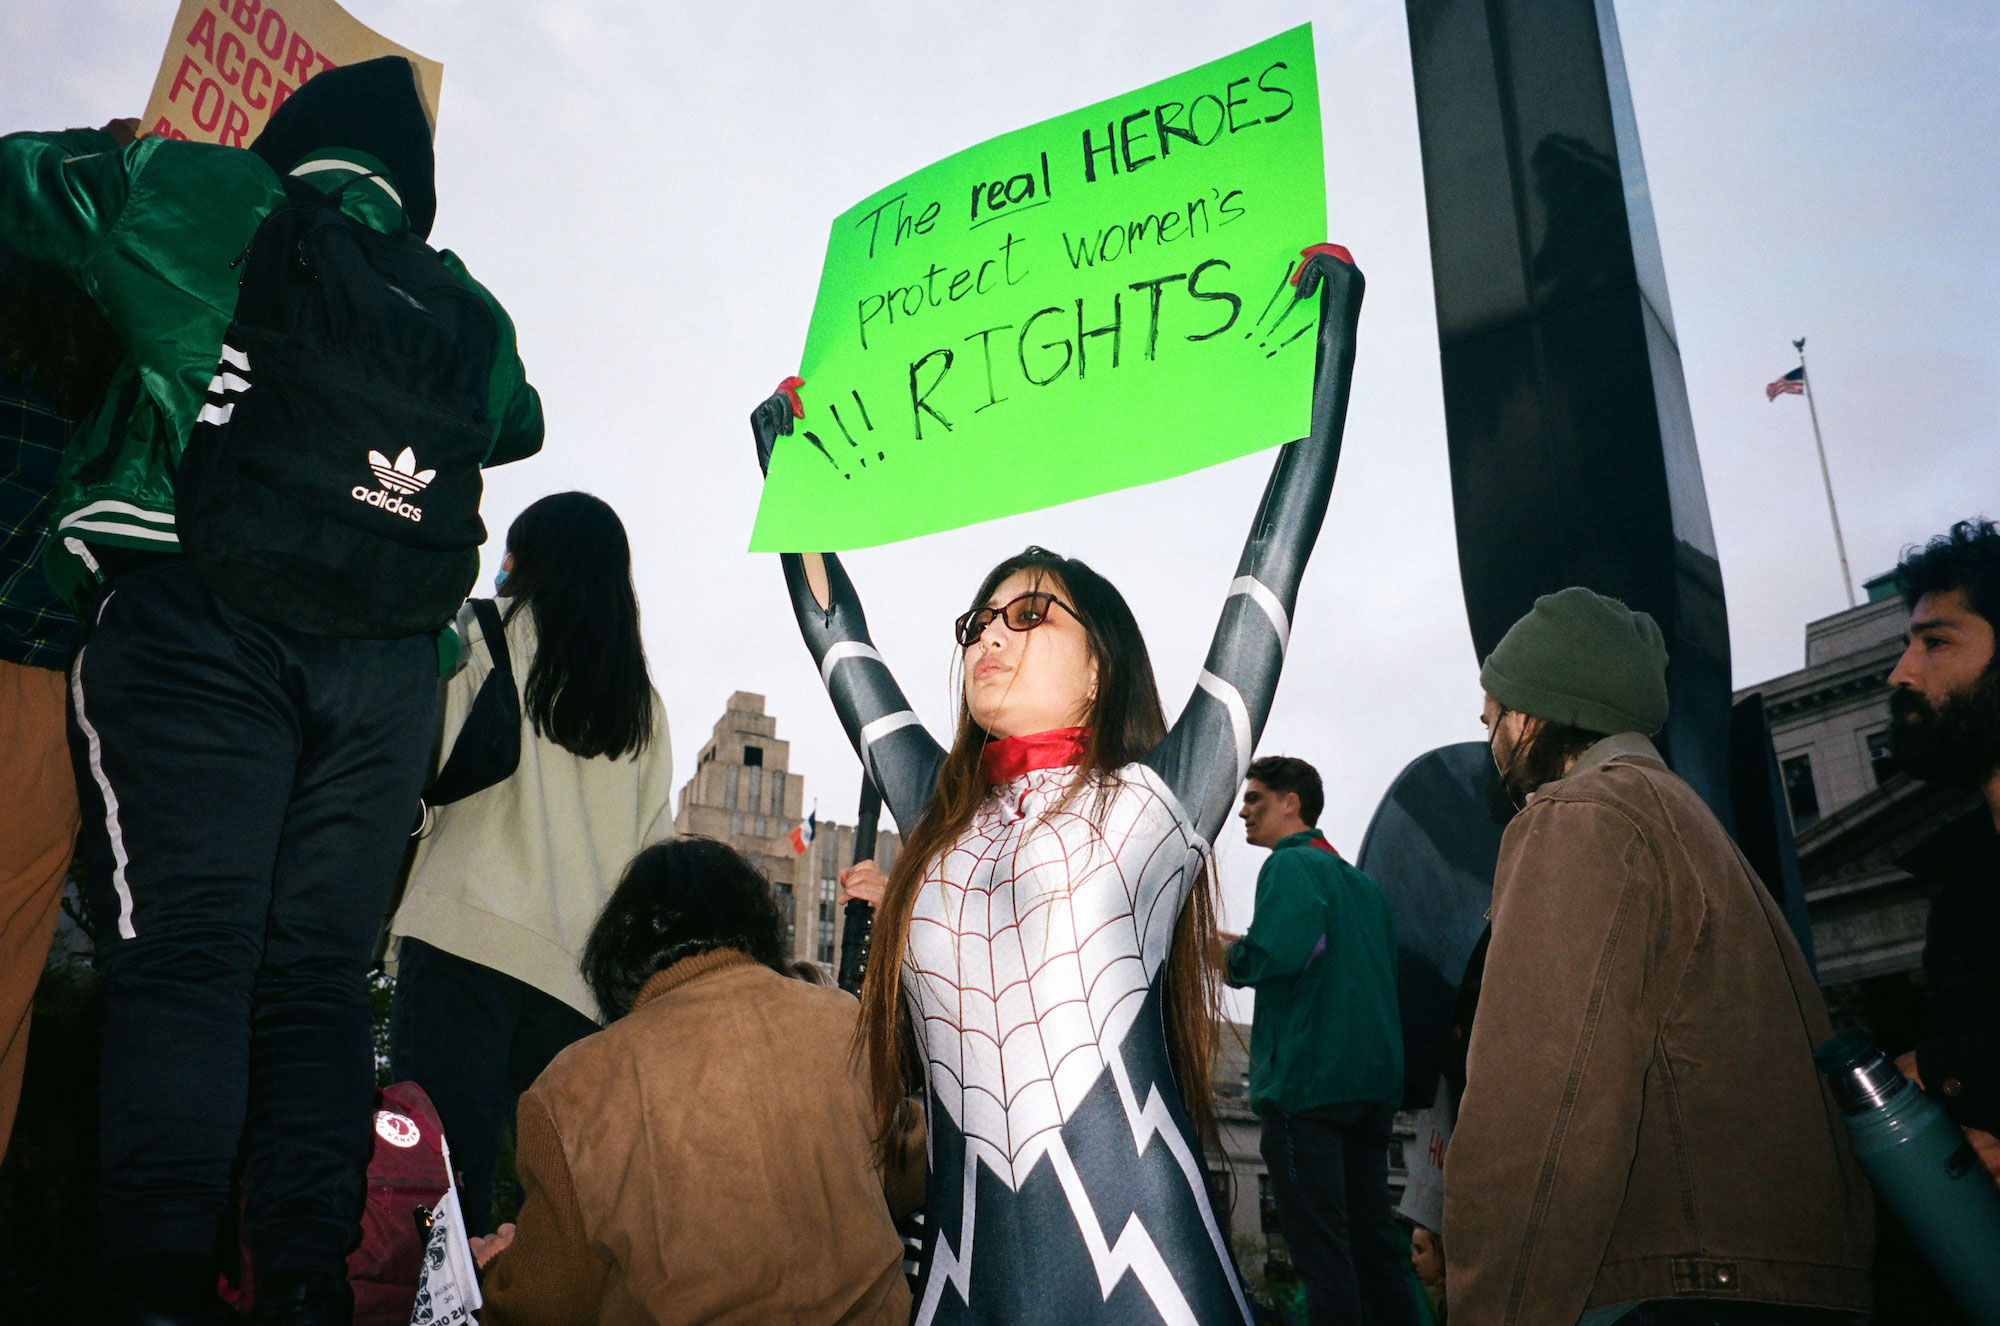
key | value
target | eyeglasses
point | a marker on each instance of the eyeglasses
(1021, 614)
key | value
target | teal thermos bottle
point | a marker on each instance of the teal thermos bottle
(1923, 1167)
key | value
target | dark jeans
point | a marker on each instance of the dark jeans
(474, 1039)
(1330, 1181)
(246, 791)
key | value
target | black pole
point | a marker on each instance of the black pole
(859, 917)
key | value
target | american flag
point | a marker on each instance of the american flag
(1793, 383)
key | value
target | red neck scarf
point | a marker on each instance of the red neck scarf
(1010, 757)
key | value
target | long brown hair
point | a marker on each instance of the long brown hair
(1125, 722)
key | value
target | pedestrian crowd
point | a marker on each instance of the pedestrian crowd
(246, 701)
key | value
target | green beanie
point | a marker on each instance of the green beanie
(1585, 660)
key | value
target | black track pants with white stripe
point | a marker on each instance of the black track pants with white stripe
(246, 793)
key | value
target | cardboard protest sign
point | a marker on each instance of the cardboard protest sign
(1094, 302)
(1423, 1161)
(230, 63)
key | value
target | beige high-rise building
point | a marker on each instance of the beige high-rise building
(744, 793)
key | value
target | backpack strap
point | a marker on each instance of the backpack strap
(486, 751)
(493, 630)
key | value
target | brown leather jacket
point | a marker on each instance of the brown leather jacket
(1642, 1119)
(705, 1158)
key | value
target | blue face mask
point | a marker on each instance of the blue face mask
(500, 582)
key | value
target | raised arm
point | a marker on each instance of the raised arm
(1204, 758)
(898, 753)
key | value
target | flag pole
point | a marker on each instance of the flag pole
(1839, 543)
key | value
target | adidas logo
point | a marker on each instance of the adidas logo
(403, 476)
(398, 477)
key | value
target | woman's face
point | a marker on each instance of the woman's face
(1424, 1258)
(1018, 682)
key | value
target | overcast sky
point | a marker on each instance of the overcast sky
(648, 186)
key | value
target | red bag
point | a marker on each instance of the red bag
(407, 1172)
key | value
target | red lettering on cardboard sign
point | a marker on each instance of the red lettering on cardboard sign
(235, 123)
(206, 123)
(256, 69)
(222, 53)
(244, 13)
(298, 59)
(183, 78)
(202, 34)
(272, 22)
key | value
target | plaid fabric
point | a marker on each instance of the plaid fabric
(36, 627)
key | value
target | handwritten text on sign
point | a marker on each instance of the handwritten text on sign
(1091, 303)
(231, 63)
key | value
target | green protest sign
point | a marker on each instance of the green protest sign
(1094, 302)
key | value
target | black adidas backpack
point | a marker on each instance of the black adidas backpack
(331, 483)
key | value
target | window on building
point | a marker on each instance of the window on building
(753, 756)
(729, 789)
(736, 825)
(1879, 758)
(1800, 794)
(753, 790)
(1221, 1188)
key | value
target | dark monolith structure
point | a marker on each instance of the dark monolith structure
(1572, 450)
(1572, 447)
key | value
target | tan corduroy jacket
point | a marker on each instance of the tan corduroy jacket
(1642, 1119)
(705, 1158)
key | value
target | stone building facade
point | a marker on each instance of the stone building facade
(744, 793)
(1830, 719)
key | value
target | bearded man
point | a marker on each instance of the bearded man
(1946, 710)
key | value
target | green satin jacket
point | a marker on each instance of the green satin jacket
(150, 232)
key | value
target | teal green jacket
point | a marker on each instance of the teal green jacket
(151, 233)
(1321, 955)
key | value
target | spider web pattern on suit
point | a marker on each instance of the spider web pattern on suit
(1032, 945)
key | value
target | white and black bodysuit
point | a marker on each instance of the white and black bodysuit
(1066, 1183)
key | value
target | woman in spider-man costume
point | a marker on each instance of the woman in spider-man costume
(1043, 948)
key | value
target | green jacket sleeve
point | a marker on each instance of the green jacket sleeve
(60, 195)
(511, 403)
(1289, 922)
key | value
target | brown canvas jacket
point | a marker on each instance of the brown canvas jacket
(705, 1158)
(1642, 1118)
